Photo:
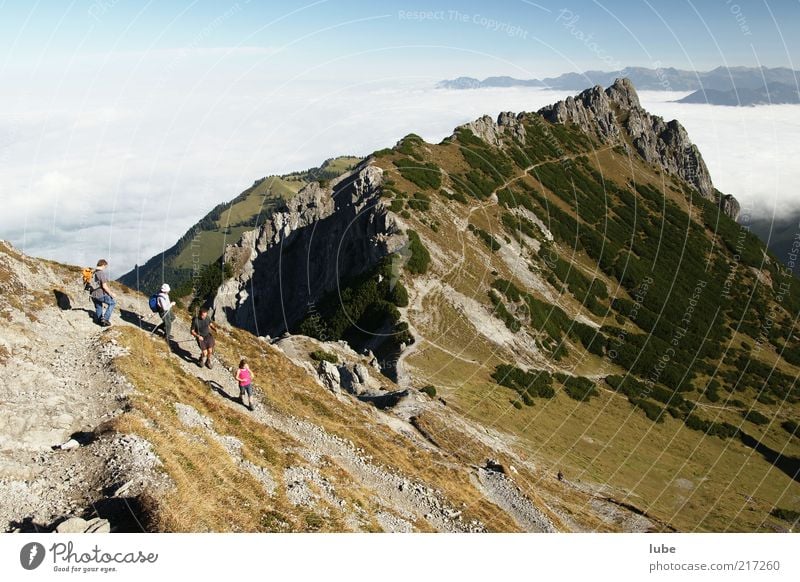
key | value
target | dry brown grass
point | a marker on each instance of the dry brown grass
(211, 492)
(553, 498)
(445, 436)
(290, 391)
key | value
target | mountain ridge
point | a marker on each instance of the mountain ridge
(559, 275)
(132, 437)
(192, 262)
(771, 94)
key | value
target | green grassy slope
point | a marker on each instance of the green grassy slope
(680, 321)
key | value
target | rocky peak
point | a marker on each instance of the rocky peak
(729, 205)
(590, 110)
(623, 93)
(615, 115)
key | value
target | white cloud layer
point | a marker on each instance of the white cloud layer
(120, 169)
(751, 152)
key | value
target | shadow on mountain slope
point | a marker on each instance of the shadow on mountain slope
(789, 465)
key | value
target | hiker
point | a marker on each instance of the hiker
(165, 311)
(101, 295)
(201, 329)
(245, 379)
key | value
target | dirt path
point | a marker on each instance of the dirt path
(403, 377)
(58, 386)
(77, 391)
(526, 172)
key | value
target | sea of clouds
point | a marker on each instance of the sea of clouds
(122, 170)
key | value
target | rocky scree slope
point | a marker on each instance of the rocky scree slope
(59, 387)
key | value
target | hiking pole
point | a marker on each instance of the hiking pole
(143, 319)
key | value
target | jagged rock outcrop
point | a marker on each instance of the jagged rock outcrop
(491, 132)
(590, 110)
(320, 237)
(329, 376)
(606, 113)
(730, 205)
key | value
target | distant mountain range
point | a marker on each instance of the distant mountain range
(772, 94)
(720, 86)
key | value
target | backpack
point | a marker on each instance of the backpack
(88, 275)
(153, 303)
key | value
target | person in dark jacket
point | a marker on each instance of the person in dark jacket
(202, 326)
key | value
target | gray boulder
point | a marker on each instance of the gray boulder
(329, 376)
(78, 525)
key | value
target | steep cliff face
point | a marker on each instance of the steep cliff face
(305, 249)
(607, 113)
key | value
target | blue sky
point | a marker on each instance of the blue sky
(408, 38)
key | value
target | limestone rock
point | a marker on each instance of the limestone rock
(608, 113)
(623, 92)
(329, 376)
(70, 444)
(72, 525)
(319, 237)
(512, 124)
(485, 128)
(98, 525)
(356, 379)
(360, 372)
(730, 206)
(507, 124)
(78, 525)
(589, 110)
(375, 364)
